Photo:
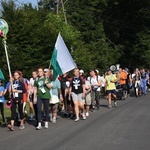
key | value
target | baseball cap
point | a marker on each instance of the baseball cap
(97, 71)
(46, 69)
(81, 71)
(108, 69)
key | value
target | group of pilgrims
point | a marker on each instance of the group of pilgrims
(74, 94)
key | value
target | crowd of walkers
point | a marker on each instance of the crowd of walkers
(72, 95)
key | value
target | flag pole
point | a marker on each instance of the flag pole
(50, 65)
(5, 47)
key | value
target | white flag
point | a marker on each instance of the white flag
(61, 60)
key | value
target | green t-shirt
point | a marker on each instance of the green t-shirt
(42, 90)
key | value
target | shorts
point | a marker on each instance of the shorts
(69, 102)
(31, 97)
(124, 86)
(54, 106)
(88, 99)
(111, 91)
(77, 97)
(137, 84)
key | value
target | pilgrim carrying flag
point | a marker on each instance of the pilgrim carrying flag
(61, 60)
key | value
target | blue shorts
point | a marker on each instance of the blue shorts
(111, 91)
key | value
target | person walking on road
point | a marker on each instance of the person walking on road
(110, 80)
(77, 90)
(42, 95)
(17, 88)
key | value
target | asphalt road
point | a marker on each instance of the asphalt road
(126, 127)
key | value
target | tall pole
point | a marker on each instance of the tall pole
(37, 5)
(57, 7)
(64, 11)
(5, 46)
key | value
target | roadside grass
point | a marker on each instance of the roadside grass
(7, 113)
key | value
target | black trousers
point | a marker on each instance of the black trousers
(45, 102)
(2, 111)
(13, 110)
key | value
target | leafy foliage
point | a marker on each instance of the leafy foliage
(98, 33)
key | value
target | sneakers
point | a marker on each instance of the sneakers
(46, 125)
(109, 106)
(39, 127)
(115, 104)
(21, 127)
(54, 120)
(11, 128)
(31, 119)
(83, 116)
(70, 116)
(97, 107)
(87, 114)
(77, 119)
(51, 118)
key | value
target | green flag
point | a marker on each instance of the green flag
(1, 75)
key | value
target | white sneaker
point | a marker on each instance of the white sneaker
(83, 116)
(51, 118)
(46, 125)
(87, 114)
(39, 127)
(54, 120)
(109, 106)
(115, 104)
(77, 119)
(21, 127)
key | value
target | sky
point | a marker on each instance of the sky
(34, 2)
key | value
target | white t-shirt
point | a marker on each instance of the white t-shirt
(102, 81)
(94, 80)
(87, 84)
(31, 83)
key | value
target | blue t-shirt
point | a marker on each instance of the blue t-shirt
(55, 87)
(2, 99)
(7, 86)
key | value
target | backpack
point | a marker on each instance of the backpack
(26, 87)
(91, 78)
(94, 88)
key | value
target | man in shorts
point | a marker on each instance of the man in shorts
(110, 80)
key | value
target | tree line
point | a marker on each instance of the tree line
(98, 33)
